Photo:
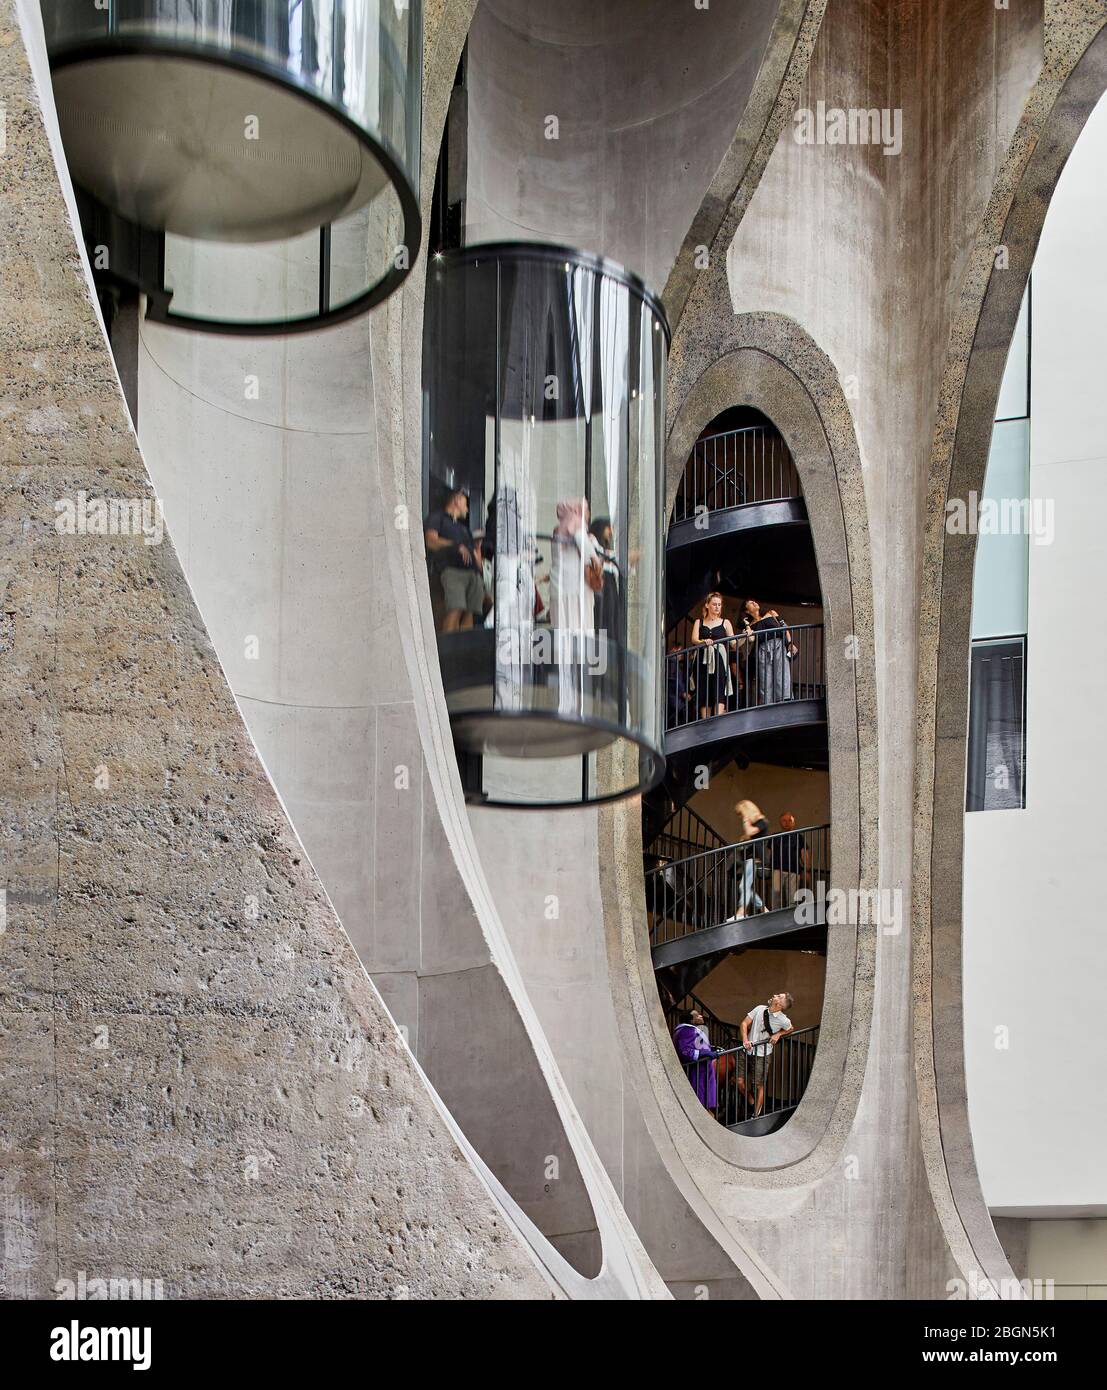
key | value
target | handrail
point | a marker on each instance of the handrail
(727, 1082)
(736, 468)
(719, 1030)
(685, 827)
(745, 671)
(749, 879)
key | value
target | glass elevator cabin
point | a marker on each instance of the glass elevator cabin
(249, 165)
(544, 399)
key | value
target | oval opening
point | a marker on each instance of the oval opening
(737, 837)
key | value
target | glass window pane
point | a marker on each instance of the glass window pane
(1014, 393)
(1003, 541)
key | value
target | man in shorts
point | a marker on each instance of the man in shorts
(764, 1025)
(454, 556)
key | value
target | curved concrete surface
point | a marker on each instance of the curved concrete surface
(283, 537)
(564, 965)
(205, 1085)
(883, 318)
(1072, 81)
(290, 548)
(602, 126)
(841, 285)
(783, 1196)
(859, 350)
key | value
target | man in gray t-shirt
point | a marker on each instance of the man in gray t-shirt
(764, 1025)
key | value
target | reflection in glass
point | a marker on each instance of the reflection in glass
(1014, 391)
(544, 383)
(1002, 523)
(997, 726)
(274, 144)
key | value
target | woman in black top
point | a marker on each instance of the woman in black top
(713, 682)
(773, 642)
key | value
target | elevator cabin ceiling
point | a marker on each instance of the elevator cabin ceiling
(218, 153)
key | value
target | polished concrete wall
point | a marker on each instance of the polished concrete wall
(601, 126)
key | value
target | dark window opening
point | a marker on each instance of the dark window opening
(997, 726)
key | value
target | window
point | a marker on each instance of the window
(997, 726)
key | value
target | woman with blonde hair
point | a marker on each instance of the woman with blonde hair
(754, 824)
(710, 631)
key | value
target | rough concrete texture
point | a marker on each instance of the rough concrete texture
(287, 555)
(865, 252)
(867, 281)
(292, 557)
(878, 262)
(521, 856)
(1071, 80)
(199, 1083)
(883, 261)
(776, 1195)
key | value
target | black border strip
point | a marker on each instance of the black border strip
(552, 251)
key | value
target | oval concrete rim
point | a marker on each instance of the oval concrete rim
(1046, 137)
(770, 363)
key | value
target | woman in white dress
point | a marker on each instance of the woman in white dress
(576, 575)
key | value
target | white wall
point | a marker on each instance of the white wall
(1073, 1254)
(1035, 942)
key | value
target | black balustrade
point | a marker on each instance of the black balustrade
(722, 1034)
(768, 666)
(750, 879)
(729, 1083)
(734, 469)
(683, 834)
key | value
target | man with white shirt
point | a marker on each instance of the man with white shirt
(764, 1025)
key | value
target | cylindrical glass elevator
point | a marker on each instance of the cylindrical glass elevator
(273, 145)
(544, 387)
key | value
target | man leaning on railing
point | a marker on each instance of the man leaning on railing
(764, 1025)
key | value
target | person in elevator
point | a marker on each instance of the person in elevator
(762, 1028)
(610, 627)
(694, 1046)
(752, 826)
(508, 549)
(712, 669)
(454, 556)
(576, 577)
(771, 639)
(576, 569)
(609, 610)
